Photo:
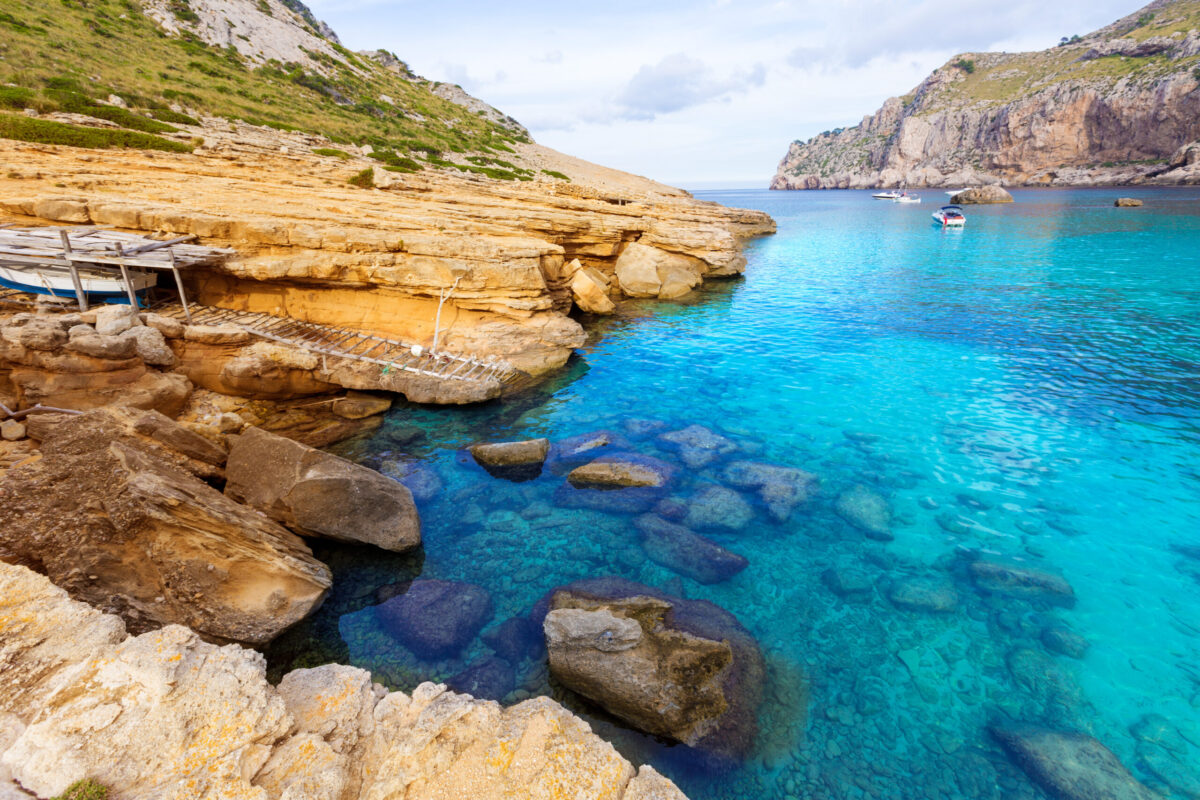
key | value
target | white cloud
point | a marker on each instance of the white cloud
(683, 90)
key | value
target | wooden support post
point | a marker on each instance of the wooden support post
(179, 284)
(133, 301)
(80, 295)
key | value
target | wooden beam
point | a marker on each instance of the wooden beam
(146, 248)
(80, 294)
(179, 284)
(128, 283)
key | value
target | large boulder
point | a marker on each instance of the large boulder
(646, 271)
(115, 514)
(1070, 766)
(684, 669)
(512, 460)
(434, 618)
(589, 290)
(982, 195)
(318, 494)
(575, 451)
(691, 555)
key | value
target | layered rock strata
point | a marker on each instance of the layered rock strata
(168, 716)
(314, 248)
(1117, 106)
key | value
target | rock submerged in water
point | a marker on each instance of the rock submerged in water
(685, 669)
(623, 470)
(930, 595)
(718, 508)
(868, 511)
(782, 489)
(435, 618)
(634, 500)
(698, 446)
(1127, 202)
(1025, 583)
(575, 451)
(691, 555)
(490, 679)
(518, 461)
(318, 494)
(1069, 766)
(1064, 641)
(847, 582)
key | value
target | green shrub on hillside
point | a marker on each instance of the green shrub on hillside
(332, 152)
(966, 65)
(183, 11)
(27, 129)
(15, 97)
(553, 173)
(86, 789)
(364, 179)
(167, 115)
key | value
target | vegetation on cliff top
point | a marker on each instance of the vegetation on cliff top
(71, 55)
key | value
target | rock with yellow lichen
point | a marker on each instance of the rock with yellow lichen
(168, 716)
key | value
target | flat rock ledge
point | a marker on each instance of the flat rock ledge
(168, 716)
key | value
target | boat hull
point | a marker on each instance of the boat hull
(57, 282)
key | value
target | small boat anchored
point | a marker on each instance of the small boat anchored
(950, 217)
(905, 197)
(892, 195)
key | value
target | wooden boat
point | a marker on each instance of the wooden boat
(56, 281)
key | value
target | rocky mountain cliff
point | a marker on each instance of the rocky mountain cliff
(1120, 105)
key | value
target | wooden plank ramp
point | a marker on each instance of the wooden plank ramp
(354, 345)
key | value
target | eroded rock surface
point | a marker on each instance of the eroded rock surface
(168, 716)
(115, 514)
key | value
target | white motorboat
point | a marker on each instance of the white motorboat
(50, 279)
(950, 217)
(953, 192)
(905, 197)
(892, 195)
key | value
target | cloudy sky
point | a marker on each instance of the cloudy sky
(697, 93)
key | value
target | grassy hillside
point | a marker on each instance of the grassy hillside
(993, 79)
(70, 55)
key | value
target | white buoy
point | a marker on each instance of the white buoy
(417, 350)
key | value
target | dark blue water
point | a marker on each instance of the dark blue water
(1025, 389)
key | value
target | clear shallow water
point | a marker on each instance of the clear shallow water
(1028, 387)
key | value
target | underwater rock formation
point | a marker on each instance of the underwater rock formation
(435, 618)
(691, 555)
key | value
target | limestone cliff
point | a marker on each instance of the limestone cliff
(1120, 105)
(168, 716)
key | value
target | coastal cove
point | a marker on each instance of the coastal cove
(1022, 392)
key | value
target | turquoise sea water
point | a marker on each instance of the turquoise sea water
(1027, 389)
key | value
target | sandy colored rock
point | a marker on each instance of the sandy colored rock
(359, 405)
(11, 430)
(150, 346)
(115, 319)
(215, 334)
(318, 494)
(167, 326)
(1127, 202)
(590, 292)
(646, 271)
(623, 470)
(511, 454)
(984, 195)
(113, 516)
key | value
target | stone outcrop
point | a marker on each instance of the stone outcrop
(782, 489)
(1070, 766)
(1127, 202)
(623, 469)
(168, 716)
(983, 195)
(379, 260)
(114, 513)
(60, 361)
(1115, 107)
(685, 669)
(516, 461)
(318, 494)
(1022, 582)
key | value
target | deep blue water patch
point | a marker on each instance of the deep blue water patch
(1024, 392)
